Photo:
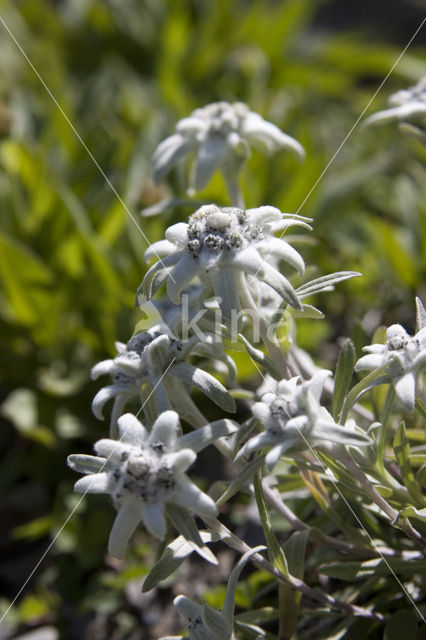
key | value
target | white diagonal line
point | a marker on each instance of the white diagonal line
(357, 121)
(325, 469)
(80, 139)
(76, 506)
(346, 138)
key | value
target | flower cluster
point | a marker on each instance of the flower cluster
(220, 245)
(153, 357)
(219, 136)
(405, 357)
(228, 259)
(294, 420)
(145, 471)
(409, 105)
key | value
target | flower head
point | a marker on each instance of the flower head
(205, 623)
(153, 357)
(293, 418)
(409, 106)
(405, 356)
(144, 471)
(219, 135)
(219, 245)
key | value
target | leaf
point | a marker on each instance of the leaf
(242, 478)
(402, 624)
(259, 357)
(86, 464)
(229, 604)
(343, 377)
(324, 283)
(275, 551)
(211, 387)
(173, 556)
(215, 622)
(401, 448)
(378, 567)
(290, 599)
(185, 524)
(202, 437)
(420, 315)
(22, 273)
(412, 512)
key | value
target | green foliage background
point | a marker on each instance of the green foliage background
(71, 256)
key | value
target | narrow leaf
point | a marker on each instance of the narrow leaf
(343, 377)
(401, 448)
(403, 624)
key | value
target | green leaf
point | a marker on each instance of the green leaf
(378, 567)
(290, 599)
(275, 551)
(343, 377)
(22, 273)
(216, 622)
(401, 448)
(324, 283)
(185, 524)
(173, 556)
(402, 624)
(259, 357)
(242, 478)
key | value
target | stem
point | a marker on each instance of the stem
(234, 542)
(234, 189)
(272, 346)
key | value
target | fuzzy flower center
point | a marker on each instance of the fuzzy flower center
(220, 230)
(222, 117)
(144, 473)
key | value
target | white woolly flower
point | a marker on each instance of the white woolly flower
(153, 357)
(293, 418)
(219, 246)
(405, 356)
(409, 106)
(205, 623)
(143, 472)
(219, 135)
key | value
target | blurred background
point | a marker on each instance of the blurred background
(124, 71)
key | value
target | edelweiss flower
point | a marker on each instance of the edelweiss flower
(155, 358)
(406, 358)
(410, 106)
(219, 135)
(219, 245)
(204, 622)
(293, 417)
(144, 471)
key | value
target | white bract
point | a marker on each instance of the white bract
(409, 106)
(204, 622)
(294, 419)
(405, 356)
(219, 136)
(153, 357)
(219, 246)
(144, 471)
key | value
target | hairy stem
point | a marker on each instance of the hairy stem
(239, 545)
